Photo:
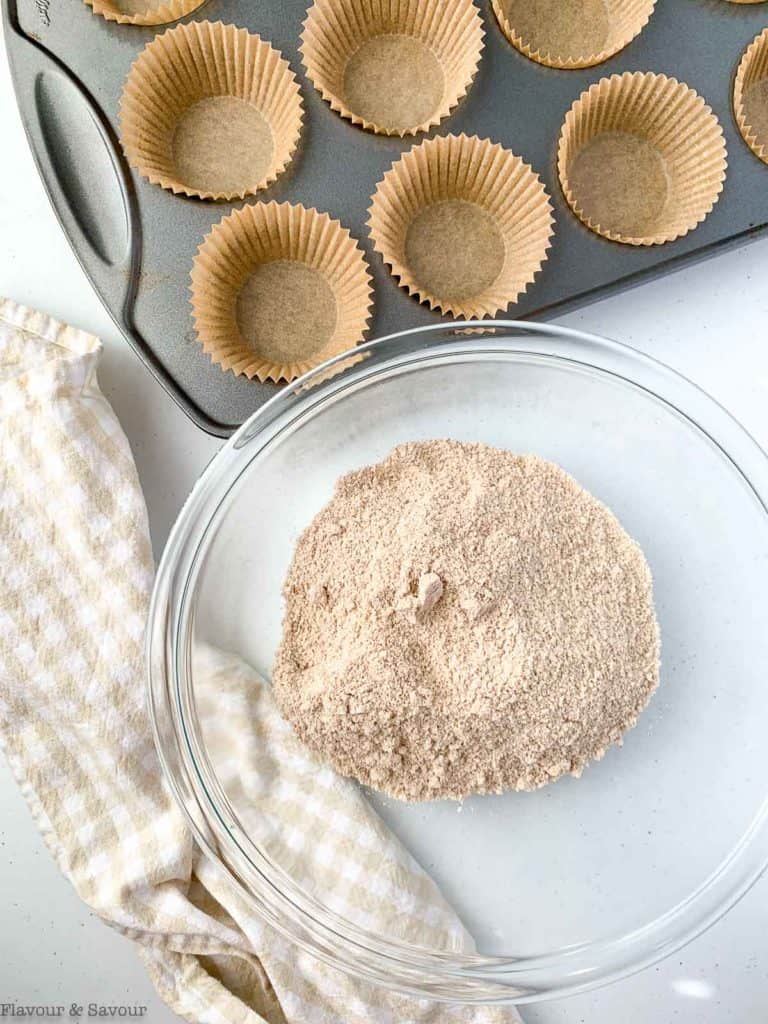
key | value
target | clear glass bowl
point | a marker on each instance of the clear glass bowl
(584, 880)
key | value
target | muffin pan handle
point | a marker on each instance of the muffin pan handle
(94, 198)
(99, 219)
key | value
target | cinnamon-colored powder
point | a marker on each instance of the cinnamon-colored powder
(463, 620)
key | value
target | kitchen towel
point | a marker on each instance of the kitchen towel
(75, 579)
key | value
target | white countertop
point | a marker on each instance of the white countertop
(709, 322)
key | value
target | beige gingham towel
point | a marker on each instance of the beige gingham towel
(75, 578)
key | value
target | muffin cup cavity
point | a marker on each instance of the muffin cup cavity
(143, 12)
(210, 110)
(571, 33)
(397, 68)
(750, 96)
(464, 224)
(641, 158)
(277, 289)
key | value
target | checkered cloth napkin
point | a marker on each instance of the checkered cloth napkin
(75, 579)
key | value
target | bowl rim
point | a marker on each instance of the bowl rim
(267, 890)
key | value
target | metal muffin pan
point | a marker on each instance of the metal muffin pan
(136, 241)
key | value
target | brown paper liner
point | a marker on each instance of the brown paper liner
(641, 158)
(548, 31)
(210, 110)
(464, 224)
(159, 12)
(394, 68)
(291, 278)
(750, 96)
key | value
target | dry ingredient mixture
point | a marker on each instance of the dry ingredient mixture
(463, 620)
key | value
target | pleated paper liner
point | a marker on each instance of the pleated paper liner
(143, 12)
(277, 289)
(750, 96)
(641, 158)
(464, 224)
(571, 33)
(210, 110)
(396, 68)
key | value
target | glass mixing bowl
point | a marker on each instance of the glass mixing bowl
(587, 879)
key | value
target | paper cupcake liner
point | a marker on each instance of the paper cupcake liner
(277, 289)
(547, 32)
(752, 75)
(641, 158)
(159, 12)
(395, 68)
(210, 110)
(464, 224)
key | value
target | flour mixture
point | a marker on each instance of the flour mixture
(459, 619)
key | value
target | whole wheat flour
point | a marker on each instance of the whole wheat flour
(459, 619)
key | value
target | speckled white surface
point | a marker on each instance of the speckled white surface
(710, 322)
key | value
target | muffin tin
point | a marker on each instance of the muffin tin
(137, 241)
